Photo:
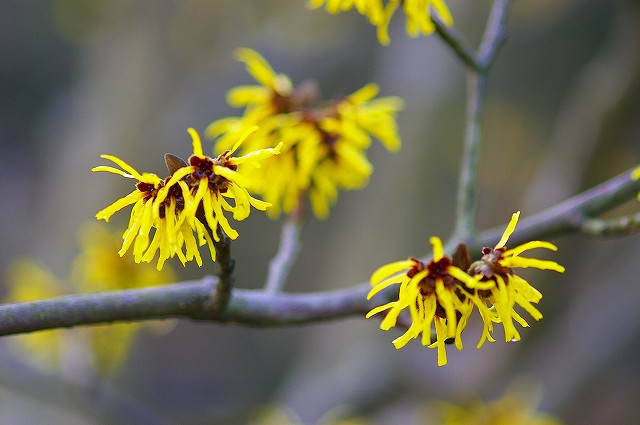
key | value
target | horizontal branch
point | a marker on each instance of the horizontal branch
(197, 299)
(567, 216)
(190, 299)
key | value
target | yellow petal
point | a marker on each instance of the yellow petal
(196, 142)
(509, 230)
(131, 198)
(390, 269)
(128, 168)
(436, 244)
(257, 66)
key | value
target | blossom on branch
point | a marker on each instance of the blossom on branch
(176, 215)
(324, 144)
(502, 289)
(379, 13)
(445, 291)
(433, 293)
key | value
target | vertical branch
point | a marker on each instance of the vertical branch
(477, 71)
(280, 265)
(467, 183)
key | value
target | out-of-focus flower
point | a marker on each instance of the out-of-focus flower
(96, 268)
(324, 144)
(433, 293)
(635, 175)
(518, 406)
(185, 210)
(379, 13)
(502, 288)
(276, 415)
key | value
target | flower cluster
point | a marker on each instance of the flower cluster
(186, 209)
(324, 144)
(379, 13)
(445, 291)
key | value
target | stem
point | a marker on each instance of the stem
(467, 184)
(477, 71)
(281, 264)
(459, 46)
(568, 216)
(494, 35)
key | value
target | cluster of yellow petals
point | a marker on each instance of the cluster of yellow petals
(177, 215)
(505, 290)
(324, 146)
(379, 13)
(432, 295)
(442, 294)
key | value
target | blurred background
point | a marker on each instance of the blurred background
(79, 78)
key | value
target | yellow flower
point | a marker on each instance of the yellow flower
(172, 231)
(502, 288)
(213, 180)
(185, 210)
(379, 13)
(324, 145)
(433, 295)
(517, 406)
(96, 268)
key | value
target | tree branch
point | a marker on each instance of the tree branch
(189, 299)
(288, 249)
(492, 39)
(193, 299)
(222, 293)
(568, 216)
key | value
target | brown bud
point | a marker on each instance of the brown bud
(173, 162)
(460, 257)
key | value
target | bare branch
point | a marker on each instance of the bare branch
(288, 249)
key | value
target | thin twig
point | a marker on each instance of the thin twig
(281, 263)
(494, 35)
(565, 217)
(619, 226)
(457, 43)
(492, 39)
(467, 183)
